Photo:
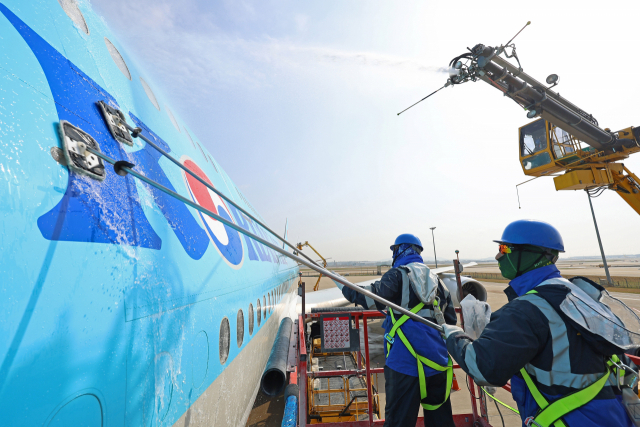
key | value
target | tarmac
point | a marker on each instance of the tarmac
(268, 412)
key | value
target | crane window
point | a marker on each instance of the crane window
(533, 138)
(536, 161)
(562, 144)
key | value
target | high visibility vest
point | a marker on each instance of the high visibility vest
(590, 385)
(420, 360)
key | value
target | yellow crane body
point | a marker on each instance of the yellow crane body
(562, 140)
(547, 150)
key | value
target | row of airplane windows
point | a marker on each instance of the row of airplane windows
(261, 310)
(71, 9)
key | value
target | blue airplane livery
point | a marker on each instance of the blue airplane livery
(121, 304)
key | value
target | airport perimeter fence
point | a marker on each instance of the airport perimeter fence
(618, 281)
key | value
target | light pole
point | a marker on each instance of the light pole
(604, 259)
(434, 246)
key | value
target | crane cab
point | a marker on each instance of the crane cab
(546, 149)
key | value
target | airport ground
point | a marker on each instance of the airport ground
(268, 412)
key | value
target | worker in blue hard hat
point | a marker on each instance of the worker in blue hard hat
(556, 339)
(418, 370)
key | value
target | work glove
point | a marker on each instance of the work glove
(451, 329)
(338, 284)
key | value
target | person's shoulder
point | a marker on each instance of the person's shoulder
(392, 274)
(522, 309)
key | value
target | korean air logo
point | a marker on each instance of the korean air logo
(226, 240)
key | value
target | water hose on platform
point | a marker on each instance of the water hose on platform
(275, 373)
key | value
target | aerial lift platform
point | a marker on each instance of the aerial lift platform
(335, 383)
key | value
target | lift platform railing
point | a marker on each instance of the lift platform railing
(477, 417)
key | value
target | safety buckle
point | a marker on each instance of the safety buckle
(625, 368)
(619, 367)
(530, 421)
(389, 339)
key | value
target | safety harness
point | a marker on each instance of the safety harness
(390, 337)
(550, 414)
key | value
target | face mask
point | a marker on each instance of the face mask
(507, 266)
(523, 260)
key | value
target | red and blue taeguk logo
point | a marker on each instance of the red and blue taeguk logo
(226, 240)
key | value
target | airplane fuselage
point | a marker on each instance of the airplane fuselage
(120, 304)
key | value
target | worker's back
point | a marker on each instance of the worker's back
(565, 358)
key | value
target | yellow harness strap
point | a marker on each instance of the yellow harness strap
(395, 329)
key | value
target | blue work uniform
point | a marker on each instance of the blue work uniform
(531, 333)
(401, 370)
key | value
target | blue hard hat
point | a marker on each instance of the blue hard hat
(532, 232)
(407, 238)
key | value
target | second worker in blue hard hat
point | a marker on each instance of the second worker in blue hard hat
(418, 369)
(563, 368)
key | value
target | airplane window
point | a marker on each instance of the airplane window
(270, 306)
(70, 7)
(173, 119)
(240, 327)
(150, 94)
(533, 138)
(251, 318)
(190, 139)
(264, 306)
(259, 315)
(117, 58)
(225, 333)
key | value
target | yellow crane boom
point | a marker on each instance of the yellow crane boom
(564, 142)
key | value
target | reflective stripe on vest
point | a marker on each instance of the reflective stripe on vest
(551, 414)
(560, 374)
(371, 304)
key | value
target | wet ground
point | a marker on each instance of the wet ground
(268, 412)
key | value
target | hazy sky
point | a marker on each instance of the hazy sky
(298, 102)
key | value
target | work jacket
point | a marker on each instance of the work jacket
(530, 332)
(426, 341)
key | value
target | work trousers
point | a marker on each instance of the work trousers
(403, 400)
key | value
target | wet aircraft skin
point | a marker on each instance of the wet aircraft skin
(120, 305)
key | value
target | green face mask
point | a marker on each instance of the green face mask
(522, 260)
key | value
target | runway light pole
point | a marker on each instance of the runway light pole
(434, 246)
